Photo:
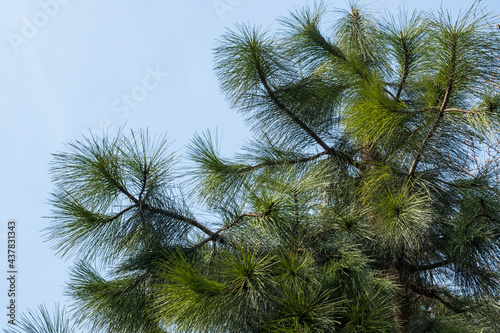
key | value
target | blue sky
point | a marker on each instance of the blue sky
(67, 66)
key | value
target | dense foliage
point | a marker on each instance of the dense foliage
(368, 200)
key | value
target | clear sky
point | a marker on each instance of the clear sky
(67, 66)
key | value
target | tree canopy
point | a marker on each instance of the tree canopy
(367, 201)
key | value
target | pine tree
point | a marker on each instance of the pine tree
(42, 322)
(366, 202)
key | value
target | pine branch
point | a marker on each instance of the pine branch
(466, 111)
(475, 217)
(335, 51)
(144, 181)
(170, 214)
(447, 95)
(447, 110)
(238, 218)
(289, 162)
(140, 279)
(431, 293)
(392, 95)
(282, 107)
(429, 267)
(180, 217)
(319, 40)
(121, 213)
(479, 215)
(406, 66)
(127, 193)
(416, 160)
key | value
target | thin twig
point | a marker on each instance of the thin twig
(180, 217)
(237, 219)
(144, 181)
(121, 213)
(299, 122)
(290, 162)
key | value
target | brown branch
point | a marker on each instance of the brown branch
(144, 181)
(406, 67)
(296, 161)
(299, 122)
(475, 217)
(326, 46)
(170, 214)
(238, 218)
(478, 215)
(431, 293)
(141, 278)
(283, 108)
(465, 111)
(428, 267)
(447, 94)
(417, 111)
(446, 110)
(180, 217)
(127, 193)
(442, 109)
(420, 150)
(121, 213)
(392, 95)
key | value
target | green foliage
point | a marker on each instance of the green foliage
(365, 203)
(43, 322)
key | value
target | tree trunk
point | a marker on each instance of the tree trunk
(402, 311)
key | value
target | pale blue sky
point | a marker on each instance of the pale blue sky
(67, 65)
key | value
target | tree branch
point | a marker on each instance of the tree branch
(431, 293)
(406, 67)
(466, 111)
(428, 267)
(447, 94)
(144, 181)
(141, 278)
(299, 122)
(121, 213)
(283, 108)
(127, 193)
(238, 218)
(446, 110)
(475, 217)
(325, 45)
(170, 214)
(180, 217)
(337, 53)
(446, 99)
(420, 150)
(392, 95)
(295, 161)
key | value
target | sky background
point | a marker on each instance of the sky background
(65, 67)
